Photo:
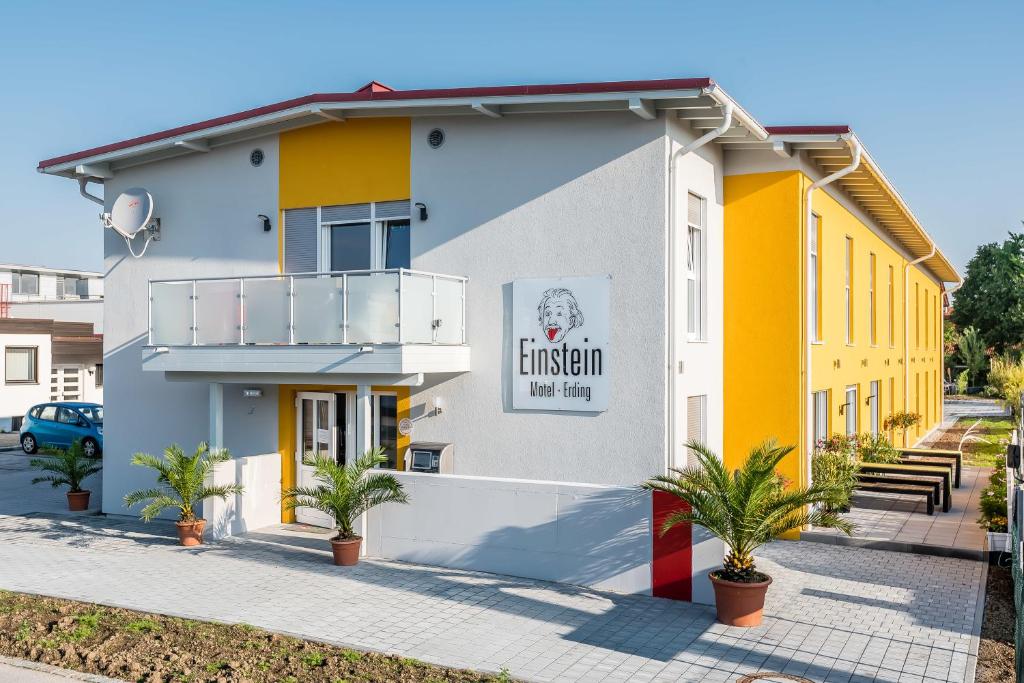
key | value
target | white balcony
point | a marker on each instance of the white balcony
(308, 326)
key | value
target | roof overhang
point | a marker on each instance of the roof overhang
(698, 100)
(829, 148)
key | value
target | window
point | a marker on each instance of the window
(384, 418)
(99, 374)
(917, 315)
(696, 275)
(48, 413)
(850, 410)
(696, 421)
(815, 277)
(20, 365)
(849, 290)
(820, 416)
(871, 300)
(917, 397)
(72, 287)
(892, 396)
(927, 401)
(874, 401)
(892, 310)
(67, 416)
(24, 283)
(360, 236)
(927, 317)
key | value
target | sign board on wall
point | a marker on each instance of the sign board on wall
(560, 330)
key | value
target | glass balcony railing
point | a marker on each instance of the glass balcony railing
(396, 306)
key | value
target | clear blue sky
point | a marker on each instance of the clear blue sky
(934, 89)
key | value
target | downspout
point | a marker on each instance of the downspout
(906, 330)
(855, 152)
(673, 364)
(82, 182)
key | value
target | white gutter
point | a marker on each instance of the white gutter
(906, 330)
(674, 362)
(82, 182)
(856, 151)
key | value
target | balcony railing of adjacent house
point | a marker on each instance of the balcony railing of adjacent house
(395, 306)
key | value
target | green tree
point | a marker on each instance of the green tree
(973, 354)
(181, 481)
(992, 297)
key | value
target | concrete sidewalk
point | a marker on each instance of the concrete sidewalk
(836, 613)
(20, 671)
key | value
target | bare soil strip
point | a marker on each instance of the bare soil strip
(136, 646)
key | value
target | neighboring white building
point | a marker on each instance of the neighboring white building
(47, 360)
(51, 294)
(431, 210)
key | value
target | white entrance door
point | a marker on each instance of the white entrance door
(315, 429)
(66, 383)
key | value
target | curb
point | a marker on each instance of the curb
(69, 674)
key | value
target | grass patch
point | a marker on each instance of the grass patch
(996, 434)
(138, 646)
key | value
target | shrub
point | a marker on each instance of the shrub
(847, 444)
(66, 467)
(961, 383)
(993, 500)
(973, 354)
(876, 449)
(745, 508)
(1006, 377)
(837, 470)
(181, 481)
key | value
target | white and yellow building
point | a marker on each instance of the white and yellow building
(562, 282)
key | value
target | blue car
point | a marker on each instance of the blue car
(60, 424)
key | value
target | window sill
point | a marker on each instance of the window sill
(698, 341)
(21, 383)
(818, 342)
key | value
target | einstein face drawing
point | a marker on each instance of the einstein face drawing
(558, 313)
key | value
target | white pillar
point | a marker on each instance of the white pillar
(364, 442)
(218, 513)
(364, 420)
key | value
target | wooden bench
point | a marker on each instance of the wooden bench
(925, 490)
(945, 472)
(921, 453)
(923, 461)
(920, 480)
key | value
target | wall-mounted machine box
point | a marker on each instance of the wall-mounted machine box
(430, 456)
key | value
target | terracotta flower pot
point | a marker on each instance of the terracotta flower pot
(78, 501)
(190, 533)
(346, 552)
(739, 604)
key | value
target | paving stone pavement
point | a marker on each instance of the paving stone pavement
(837, 614)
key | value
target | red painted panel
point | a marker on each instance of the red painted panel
(672, 566)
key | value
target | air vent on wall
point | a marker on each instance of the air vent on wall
(256, 157)
(435, 138)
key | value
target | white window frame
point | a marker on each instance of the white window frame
(875, 406)
(850, 409)
(378, 237)
(33, 364)
(16, 286)
(848, 268)
(697, 273)
(815, 247)
(872, 328)
(820, 402)
(892, 310)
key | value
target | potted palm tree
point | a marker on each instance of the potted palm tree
(746, 509)
(67, 467)
(344, 492)
(181, 484)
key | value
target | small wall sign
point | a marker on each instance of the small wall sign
(560, 331)
(405, 426)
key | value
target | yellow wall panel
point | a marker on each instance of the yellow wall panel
(762, 315)
(349, 162)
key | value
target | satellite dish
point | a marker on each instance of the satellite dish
(131, 213)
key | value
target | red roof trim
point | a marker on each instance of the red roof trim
(808, 130)
(370, 95)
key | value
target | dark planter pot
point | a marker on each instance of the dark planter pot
(190, 533)
(739, 604)
(346, 552)
(78, 501)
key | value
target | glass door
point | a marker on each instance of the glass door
(315, 422)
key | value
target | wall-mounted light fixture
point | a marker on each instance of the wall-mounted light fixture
(252, 392)
(266, 222)
(438, 405)
(423, 210)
